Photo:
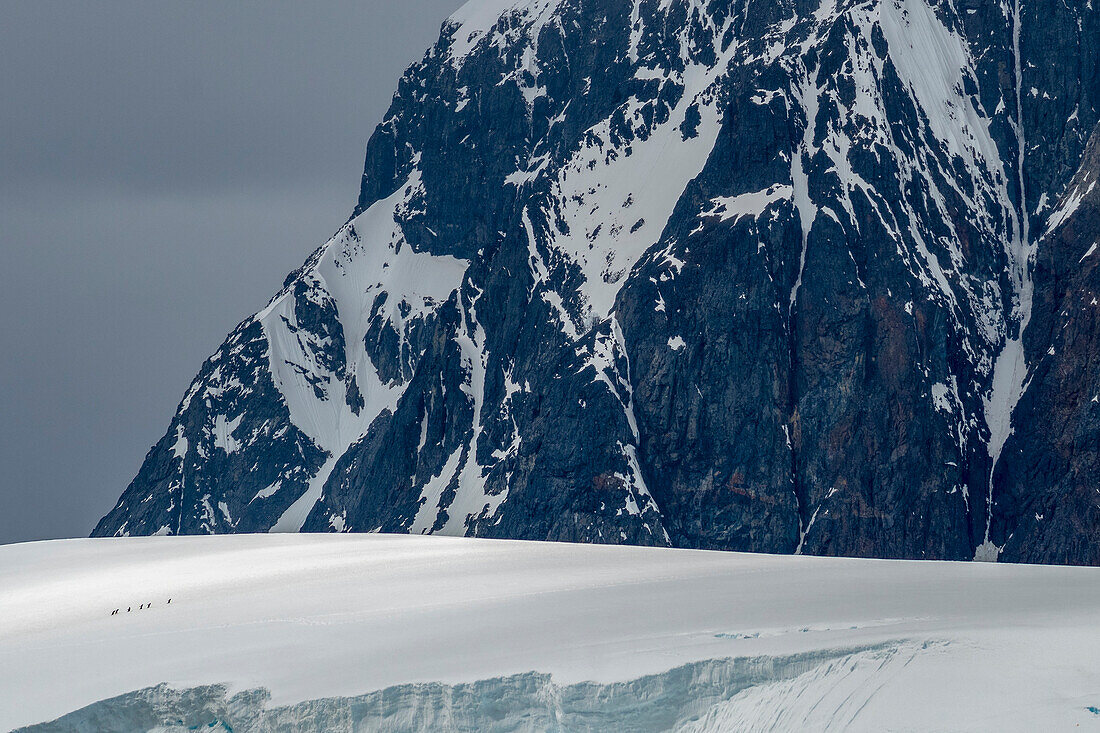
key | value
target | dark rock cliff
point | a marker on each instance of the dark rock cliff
(793, 277)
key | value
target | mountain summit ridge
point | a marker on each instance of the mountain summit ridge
(775, 278)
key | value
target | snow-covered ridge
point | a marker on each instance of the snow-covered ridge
(550, 629)
(334, 397)
(368, 257)
(468, 25)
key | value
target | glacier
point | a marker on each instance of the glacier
(405, 632)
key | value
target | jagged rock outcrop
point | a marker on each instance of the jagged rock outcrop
(780, 277)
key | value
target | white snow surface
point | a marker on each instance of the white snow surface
(750, 204)
(958, 646)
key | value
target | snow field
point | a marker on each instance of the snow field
(968, 646)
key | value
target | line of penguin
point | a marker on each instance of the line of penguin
(142, 607)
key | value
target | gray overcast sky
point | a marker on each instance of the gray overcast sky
(162, 167)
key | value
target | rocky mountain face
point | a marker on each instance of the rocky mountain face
(1047, 484)
(808, 276)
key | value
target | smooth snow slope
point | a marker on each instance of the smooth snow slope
(961, 645)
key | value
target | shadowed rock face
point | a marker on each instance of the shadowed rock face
(788, 277)
(1047, 485)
